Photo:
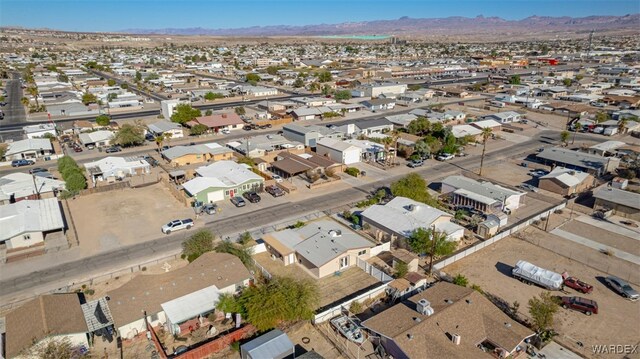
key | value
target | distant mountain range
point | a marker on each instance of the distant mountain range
(406, 26)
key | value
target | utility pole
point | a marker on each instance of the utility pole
(433, 248)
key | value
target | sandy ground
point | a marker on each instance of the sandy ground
(117, 218)
(615, 324)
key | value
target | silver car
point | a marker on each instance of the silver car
(623, 288)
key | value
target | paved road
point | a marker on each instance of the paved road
(14, 111)
(66, 268)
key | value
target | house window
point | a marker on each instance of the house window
(344, 262)
(226, 193)
(362, 252)
(239, 287)
(153, 317)
(26, 237)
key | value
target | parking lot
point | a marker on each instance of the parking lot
(111, 219)
(614, 324)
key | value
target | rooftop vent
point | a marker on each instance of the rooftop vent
(455, 338)
(410, 336)
(448, 301)
(424, 307)
(417, 320)
(335, 233)
(469, 301)
(413, 207)
(508, 325)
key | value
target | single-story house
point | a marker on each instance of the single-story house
(338, 150)
(309, 113)
(461, 131)
(112, 168)
(401, 216)
(261, 145)
(366, 127)
(51, 316)
(402, 120)
(504, 117)
(321, 247)
(27, 223)
(274, 344)
(309, 135)
(208, 152)
(31, 148)
(98, 138)
(161, 128)
(481, 195)
(604, 148)
(219, 121)
(19, 186)
(371, 151)
(175, 298)
(289, 164)
(448, 321)
(494, 125)
(565, 181)
(379, 104)
(39, 131)
(222, 180)
(623, 203)
(582, 161)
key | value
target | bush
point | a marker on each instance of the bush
(460, 280)
(356, 307)
(198, 244)
(401, 269)
(298, 224)
(352, 171)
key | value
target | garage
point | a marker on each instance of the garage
(215, 196)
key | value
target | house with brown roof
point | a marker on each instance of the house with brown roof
(219, 121)
(290, 164)
(172, 298)
(54, 316)
(448, 321)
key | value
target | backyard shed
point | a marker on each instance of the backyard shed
(275, 344)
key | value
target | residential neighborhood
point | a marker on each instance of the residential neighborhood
(454, 187)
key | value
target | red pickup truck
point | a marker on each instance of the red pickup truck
(578, 285)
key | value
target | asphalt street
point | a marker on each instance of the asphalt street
(67, 269)
(13, 111)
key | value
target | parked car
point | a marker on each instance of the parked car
(415, 163)
(247, 128)
(177, 225)
(90, 147)
(113, 149)
(277, 178)
(238, 201)
(528, 187)
(444, 157)
(77, 149)
(587, 306)
(252, 197)
(538, 173)
(578, 285)
(623, 288)
(225, 131)
(274, 191)
(37, 170)
(210, 208)
(20, 163)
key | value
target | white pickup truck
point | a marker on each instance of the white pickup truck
(177, 225)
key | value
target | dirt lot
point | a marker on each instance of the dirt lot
(491, 270)
(111, 219)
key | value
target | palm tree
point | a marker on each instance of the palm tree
(25, 101)
(486, 132)
(564, 137)
(33, 91)
(622, 123)
(159, 140)
(167, 137)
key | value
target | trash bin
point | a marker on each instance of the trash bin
(363, 173)
(523, 164)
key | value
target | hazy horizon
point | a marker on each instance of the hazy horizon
(119, 15)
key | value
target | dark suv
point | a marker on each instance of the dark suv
(587, 306)
(252, 197)
(20, 163)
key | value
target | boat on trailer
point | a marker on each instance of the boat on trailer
(348, 328)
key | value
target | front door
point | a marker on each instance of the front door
(231, 193)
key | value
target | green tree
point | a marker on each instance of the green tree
(299, 82)
(413, 186)
(564, 136)
(208, 112)
(431, 242)
(209, 96)
(198, 130)
(325, 76)
(184, 113)
(88, 98)
(283, 299)
(244, 254)
(421, 148)
(3, 150)
(542, 310)
(326, 90)
(229, 304)
(103, 120)
(579, 77)
(419, 127)
(314, 86)
(33, 91)
(111, 82)
(129, 135)
(111, 97)
(251, 77)
(138, 76)
(124, 86)
(486, 133)
(245, 238)
(515, 80)
(272, 70)
(602, 117)
(342, 95)
(401, 269)
(63, 78)
(240, 111)
(567, 82)
(75, 181)
(198, 244)
(159, 140)
(414, 87)
(460, 280)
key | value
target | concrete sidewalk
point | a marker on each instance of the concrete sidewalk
(597, 246)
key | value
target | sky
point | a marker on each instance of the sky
(115, 15)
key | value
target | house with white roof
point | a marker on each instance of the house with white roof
(322, 247)
(401, 216)
(30, 148)
(566, 181)
(222, 180)
(27, 223)
(338, 150)
(461, 131)
(492, 124)
(39, 131)
(504, 117)
(161, 128)
(481, 195)
(112, 168)
(402, 120)
(18, 186)
(97, 138)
